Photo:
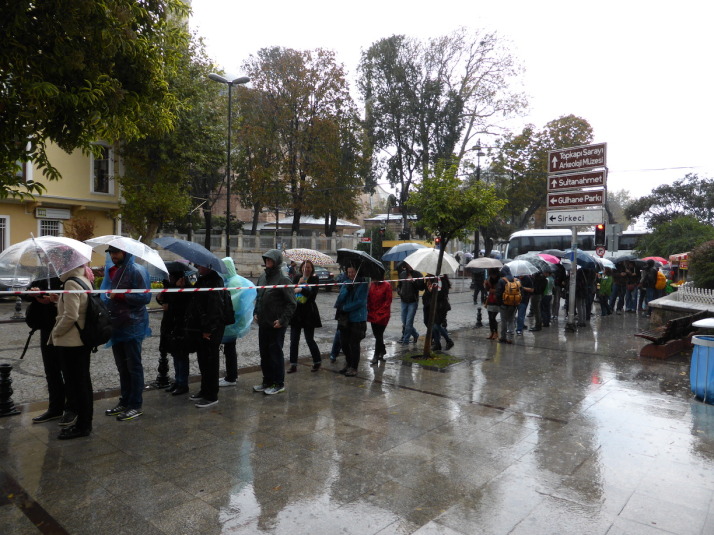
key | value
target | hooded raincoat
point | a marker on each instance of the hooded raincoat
(130, 319)
(274, 303)
(243, 302)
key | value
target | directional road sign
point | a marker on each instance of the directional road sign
(577, 180)
(577, 158)
(576, 198)
(571, 218)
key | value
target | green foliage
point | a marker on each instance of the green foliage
(690, 195)
(701, 265)
(520, 167)
(300, 145)
(163, 171)
(424, 98)
(448, 207)
(73, 73)
(680, 235)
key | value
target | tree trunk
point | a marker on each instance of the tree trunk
(208, 219)
(256, 215)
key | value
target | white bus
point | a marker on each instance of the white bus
(525, 241)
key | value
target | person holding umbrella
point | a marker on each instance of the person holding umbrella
(130, 325)
(307, 317)
(274, 307)
(351, 308)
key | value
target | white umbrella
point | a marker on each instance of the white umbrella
(41, 258)
(607, 263)
(425, 260)
(520, 268)
(484, 262)
(131, 246)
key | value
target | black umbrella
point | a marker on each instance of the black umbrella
(193, 252)
(628, 258)
(364, 263)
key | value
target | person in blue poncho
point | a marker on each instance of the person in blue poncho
(130, 325)
(351, 308)
(243, 305)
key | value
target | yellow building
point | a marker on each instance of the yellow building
(87, 190)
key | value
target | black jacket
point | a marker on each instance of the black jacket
(204, 313)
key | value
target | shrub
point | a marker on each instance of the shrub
(701, 265)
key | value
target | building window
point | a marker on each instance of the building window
(50, 227)
(3, 233)
(103, 171)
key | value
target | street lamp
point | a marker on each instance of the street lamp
(479, 153)
(230, 83)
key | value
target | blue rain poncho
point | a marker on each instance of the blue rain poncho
(243, 303)
(129, 316)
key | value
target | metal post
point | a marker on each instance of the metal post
(228, 178)
(570, 320)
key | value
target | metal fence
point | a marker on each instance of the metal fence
(690, 294)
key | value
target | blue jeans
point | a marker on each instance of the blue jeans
(521, 317)
(272, 360)
(631, 299)
(336, 344)
(408, 312)
(127, 356)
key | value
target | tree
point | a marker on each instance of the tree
(701, 262)
(690, 195)
(448, 207)
(680, 235)
(425, 99)
(163, 171)
(617, 202)
(306, 102)
(73, 73)
(520, 167)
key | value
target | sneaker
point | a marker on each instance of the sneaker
(203, 403)
(275, 389)
(68, 419)
(195, 397)
(519, 333)
(333, 358)
(46, 417)
(225, 382)
(351, 372)
(119, 409)
(260, 388)
(129, 414)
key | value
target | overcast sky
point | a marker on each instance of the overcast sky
(641, 72)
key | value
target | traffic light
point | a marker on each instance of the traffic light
(600, 235)
(437, 242)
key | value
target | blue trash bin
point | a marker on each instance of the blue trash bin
(701, 372)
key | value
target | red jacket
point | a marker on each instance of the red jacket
(379, 302)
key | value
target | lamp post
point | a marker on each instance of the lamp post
(230, 83)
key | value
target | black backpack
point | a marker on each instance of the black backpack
(97, 325)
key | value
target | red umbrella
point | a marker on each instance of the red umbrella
(549, 258)
(659, 259)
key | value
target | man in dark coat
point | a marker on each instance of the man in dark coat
(274, 307)
(204, 325)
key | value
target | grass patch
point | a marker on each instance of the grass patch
(436, 361)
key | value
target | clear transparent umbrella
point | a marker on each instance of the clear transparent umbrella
(425, 260)
(131, 246)
(41, 258)
(520, 268)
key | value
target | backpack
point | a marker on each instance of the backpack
(511, 293)
(661, 282)
(97, 324)
(228, 314)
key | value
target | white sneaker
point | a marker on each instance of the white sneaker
(275, 389)
(223, 382)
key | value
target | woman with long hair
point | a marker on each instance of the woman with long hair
(306, 317)
(492, 302)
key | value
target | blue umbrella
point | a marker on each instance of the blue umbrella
(400, 251)
(193, 252)
(584, 260)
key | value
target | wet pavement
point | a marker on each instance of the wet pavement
(556, 434)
